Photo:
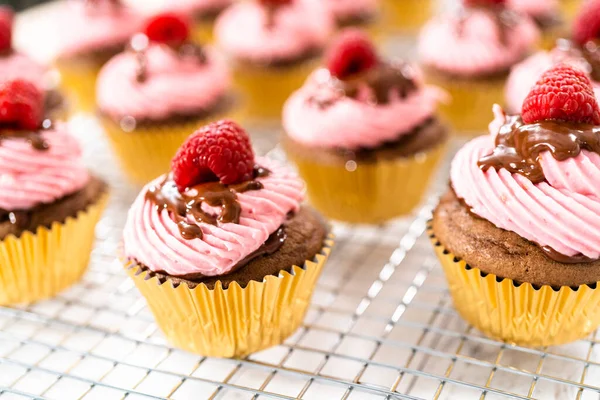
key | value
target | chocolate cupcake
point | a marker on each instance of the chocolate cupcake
(222, 248)
(152, 95)
(364, 133)
(272, 46)
(518, 232)
(49, 202)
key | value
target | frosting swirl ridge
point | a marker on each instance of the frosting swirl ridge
(29, 176)
(560, 213)
(152, 236)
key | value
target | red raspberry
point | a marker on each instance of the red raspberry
(351, 53)
(220, 150)
(168, 28)
(475, 3)
(562, 93)
(6, 22)
(587, 24)
(274, 3)
(21, 105)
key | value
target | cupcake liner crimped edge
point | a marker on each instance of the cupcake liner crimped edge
(35, 266)
(519, 313)
(236, 321)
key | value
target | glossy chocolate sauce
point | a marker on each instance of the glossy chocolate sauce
(183, 206)
(384, 81)
(185, 50)
(519, 145)
(34, 138)
(591, 53)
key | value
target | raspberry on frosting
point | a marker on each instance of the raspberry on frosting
(168, 28)
(562, 93)
(21, 105)
(587, 23)
(352, 53)
(218, 151)
(6, 22)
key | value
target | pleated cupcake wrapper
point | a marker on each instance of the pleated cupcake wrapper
(407, 16)
(78, 79)
(236, 321)
(38, 265)
(146, 153)
(519, 313)
(265, 89)
(469, 109)
(375, 192)
(202, 31)
(569, 9)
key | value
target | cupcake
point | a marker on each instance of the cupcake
(49, 202)
(222, 248)
(152, 95)
(518, 232)
(524, 75)
(88, 33)
(470, 55)
(364, 133)
(18, 66)
(546, 14)
(273, 45)
(202, 13)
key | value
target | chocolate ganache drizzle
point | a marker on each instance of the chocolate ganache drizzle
(591, 52)
(33, 137)
(383, 82)
(189, 204)
(519, 145)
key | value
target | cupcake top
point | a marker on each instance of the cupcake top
(39, 162)
(197, 8)
(538, 174)
(14, 65)
(486, 38)
(359, 100)
(162, 75)
(347, 11)
(216, 210)
(274, 31)
(524, 75)
(93, 26)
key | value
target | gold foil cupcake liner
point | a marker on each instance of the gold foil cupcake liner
(236, 321)
(369, 192)
(145, 153)
(78, 79)
(569, 9)
(519, 313)
(38, 265)
(265, 89)
(406, 16)
(469, 109)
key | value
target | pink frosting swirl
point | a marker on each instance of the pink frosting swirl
(153, 238)
(29, 177)
(82, 28)
(525, 74)
(562, 212)
(476, 48)
(536, 8)
(174, 85)
(348, 9)
(244, 32)
(351, 123)
(19, 66)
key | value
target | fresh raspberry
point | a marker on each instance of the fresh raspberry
(587, 24)
(169, 28)
(218, 151)
(21, 105)
(351, 53)
(274, 3)
(562, 93)
(6, 22)
(475, 3)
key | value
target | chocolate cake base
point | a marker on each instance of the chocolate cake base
(438, 75)
(306, 232)
(46, 214)
(426, 136)
(503, 253)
